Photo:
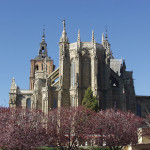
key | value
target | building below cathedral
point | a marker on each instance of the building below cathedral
(81, 65)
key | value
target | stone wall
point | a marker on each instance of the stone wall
(143, 105)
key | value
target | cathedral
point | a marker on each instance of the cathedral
(81, 65)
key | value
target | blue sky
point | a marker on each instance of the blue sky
(21, 24)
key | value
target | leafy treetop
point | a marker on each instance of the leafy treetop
(90, 101)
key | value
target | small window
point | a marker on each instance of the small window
(138, 110)
(36, 67)
(28, 103)
(42, 49)
(42, 66)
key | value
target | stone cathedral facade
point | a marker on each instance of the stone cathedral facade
(81, 65)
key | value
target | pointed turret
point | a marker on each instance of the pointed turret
(13, 94)
(64, 73)
(64, 37)
(105, 42)
(106, 46)
(13, 86)
(123, 67)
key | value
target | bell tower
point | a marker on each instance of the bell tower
(37, 62)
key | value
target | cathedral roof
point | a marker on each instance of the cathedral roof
(115, 65)
(41, 57)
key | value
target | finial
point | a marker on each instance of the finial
(13, 84)
(93, 39)
(64, 25)
(124, 65)
(13, 80)
(43, 37)
(64, 37)
(78, 35)
(106, 32)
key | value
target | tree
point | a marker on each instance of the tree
(90, 101)
(145, 130)
(21, 128)
(116, 128)
(5, 127)
(68, 127)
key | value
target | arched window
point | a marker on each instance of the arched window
(42, 49)
(28, 103)
(86, 72)
(73, 72)
(36, 67)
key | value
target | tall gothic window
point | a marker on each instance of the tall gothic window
(73, 68)
(28, 103)
(54, 103)
(86, 72)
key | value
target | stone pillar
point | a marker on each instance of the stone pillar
(94, 63)
(77, 101)
(94, 67)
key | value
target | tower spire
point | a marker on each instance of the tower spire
(43, 36)
(64, 37)
(64, 25)
(106, 33)
(43, 44)
(13, 84)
